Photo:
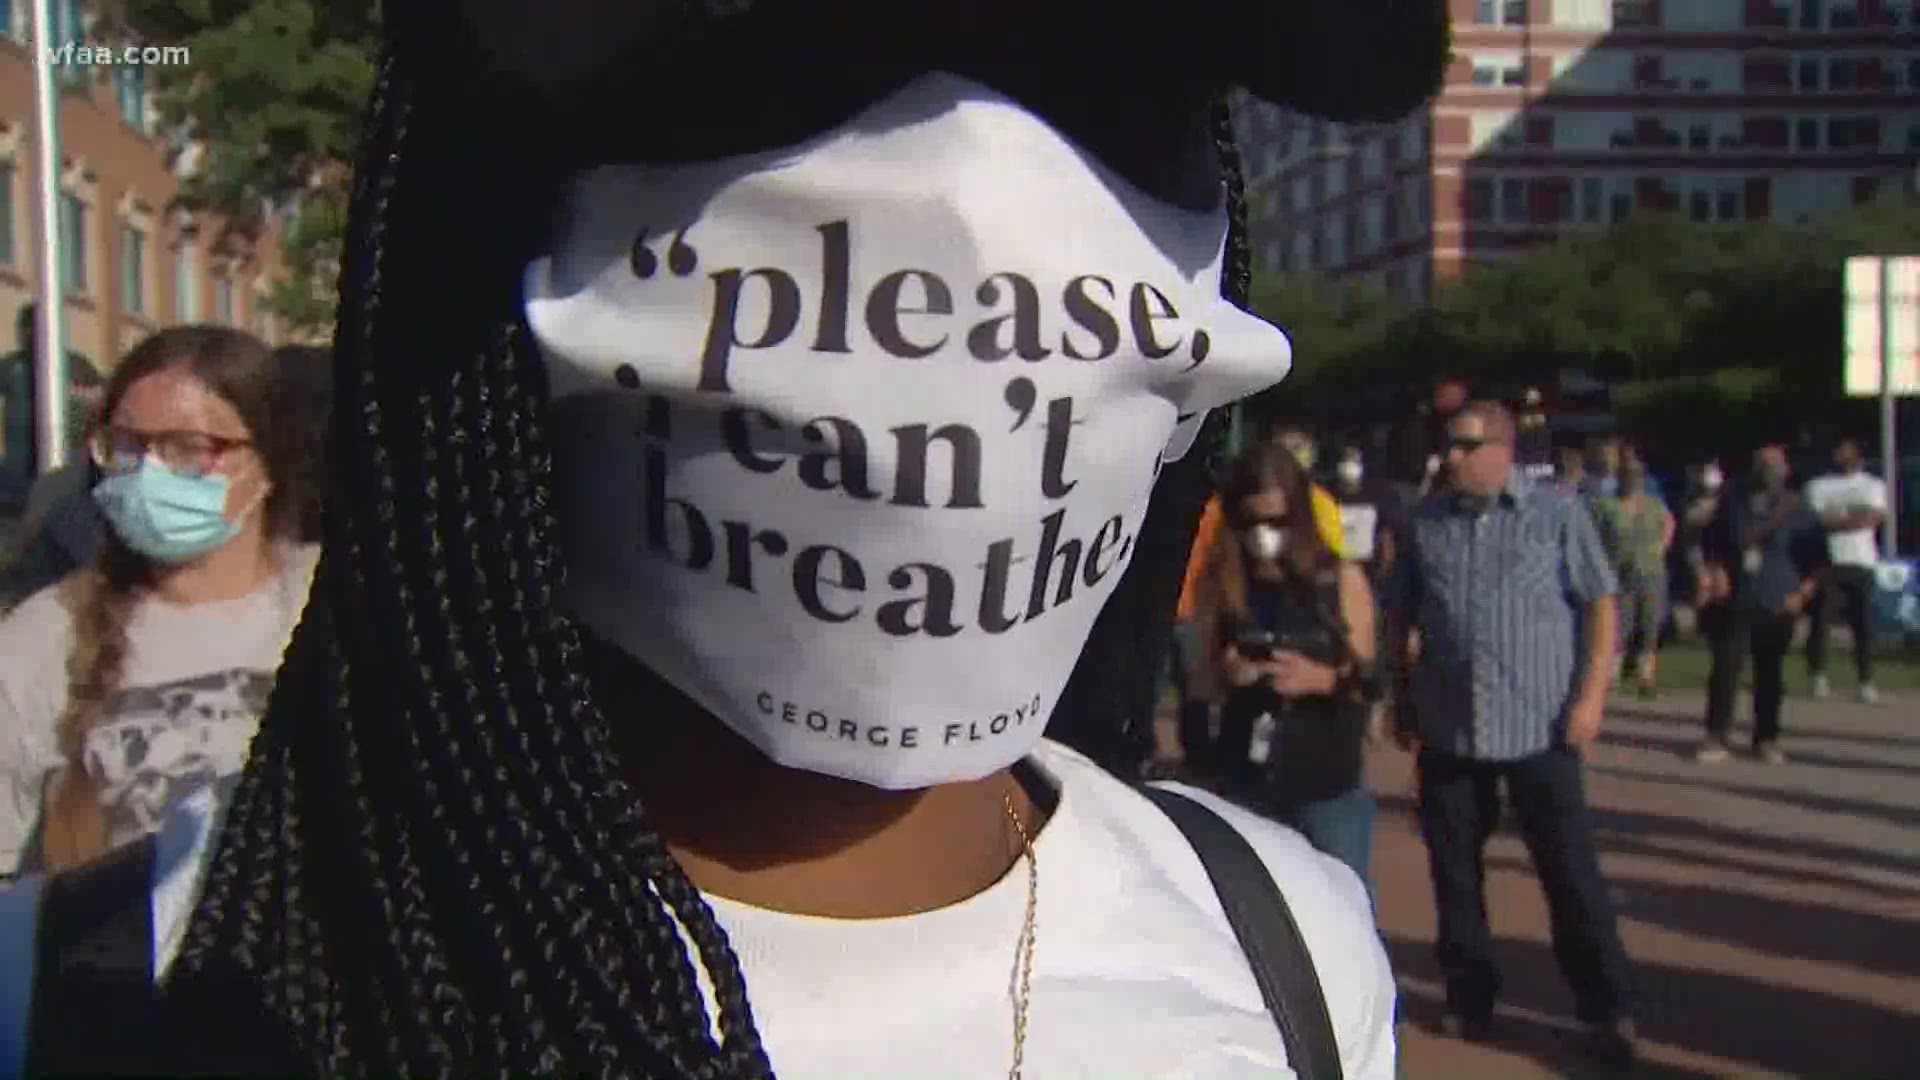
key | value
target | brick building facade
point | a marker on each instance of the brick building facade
(1561, 114)
(133, 261)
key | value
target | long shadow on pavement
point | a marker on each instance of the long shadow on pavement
(1806, 800)
(1788, 928)
(1681, 745)
(1609, 823)
(1692, 721)
(1779, 1028)
(1619, 844)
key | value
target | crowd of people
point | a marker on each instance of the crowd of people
(1506, 585)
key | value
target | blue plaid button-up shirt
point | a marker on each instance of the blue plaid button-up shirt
(1499, 596)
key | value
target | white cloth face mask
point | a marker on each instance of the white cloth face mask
(852, 440)
(1265, 541)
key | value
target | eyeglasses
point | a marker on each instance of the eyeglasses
(1466, 444)
(189, 453)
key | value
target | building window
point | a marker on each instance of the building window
(73, 243)
(1726, 203)
(1806, 74)
(1336, 178)
(1619, 207)
(1806, 134)
(1700, 206)
(1843, 17)
(1515, 75)
(1812, 14)
(1337, 241)
(1628, 14)
(1302, 193)
(186, 284)
(6, 17)
(1413, 137)
(1486, 75)
(133, 270)
(1593, 198)
(1513, 200)
(1700, 136)
(1372, 226)
(6, 212)
(223, 300)
(1476, 203)
(1840, 73)
(1500, 12)
(69, 24)
(130, 90)
(1373, 160)
(1913, 138)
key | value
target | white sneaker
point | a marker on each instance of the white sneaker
(1821, 687)
(1869, 695)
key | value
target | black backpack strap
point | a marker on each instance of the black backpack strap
(95, 1007)
(1258, 911)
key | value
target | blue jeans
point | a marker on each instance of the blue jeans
(1341, 827)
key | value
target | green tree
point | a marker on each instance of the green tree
(273, 100)
(1724, 330)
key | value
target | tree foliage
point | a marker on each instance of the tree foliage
(273, 103)
(1738, 321)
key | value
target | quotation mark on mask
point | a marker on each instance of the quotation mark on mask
(681, 258)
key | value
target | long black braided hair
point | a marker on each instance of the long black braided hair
(431, 864)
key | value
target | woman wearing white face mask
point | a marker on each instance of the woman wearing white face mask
(1702, 503)
(1296, 640)
(140, 680)
(846, 357)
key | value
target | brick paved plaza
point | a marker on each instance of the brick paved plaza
(1773, 914)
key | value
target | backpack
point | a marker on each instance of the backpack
(94, 957)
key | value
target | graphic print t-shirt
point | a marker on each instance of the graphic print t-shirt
(195, 685)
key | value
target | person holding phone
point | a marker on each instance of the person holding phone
(1295, 648)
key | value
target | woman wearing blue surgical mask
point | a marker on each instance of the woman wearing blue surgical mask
(761, 425)
(141, 679)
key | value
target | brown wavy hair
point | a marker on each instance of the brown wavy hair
(1263, 467)
(103, 597)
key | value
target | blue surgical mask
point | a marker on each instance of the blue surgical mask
(165, 516)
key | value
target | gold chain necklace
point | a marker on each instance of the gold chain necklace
(1028, 927)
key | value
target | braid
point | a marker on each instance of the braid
(1107, 710)
(102, 598)
(431, 865)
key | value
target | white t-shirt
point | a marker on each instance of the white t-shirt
(1838, 493)
(195, 683)
(1136, 969)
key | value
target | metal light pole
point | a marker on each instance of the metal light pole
(1891, 308)
(50, 359)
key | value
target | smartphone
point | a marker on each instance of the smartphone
(1255, 645)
